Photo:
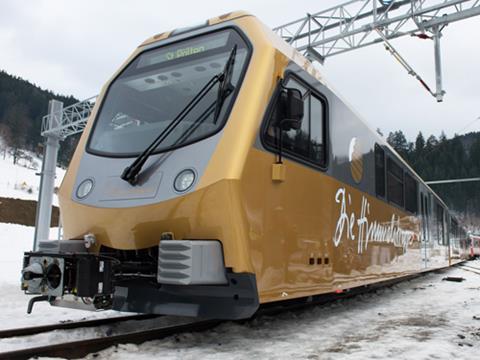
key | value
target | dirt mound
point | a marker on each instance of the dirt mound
(17, 211)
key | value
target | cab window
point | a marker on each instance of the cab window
(309, 142)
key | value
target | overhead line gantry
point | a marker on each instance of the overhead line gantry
(360, 23)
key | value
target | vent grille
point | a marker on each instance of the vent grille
(174, 262)
(190, 262)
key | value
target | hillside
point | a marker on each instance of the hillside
(22, 106)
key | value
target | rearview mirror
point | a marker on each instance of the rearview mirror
(292, 104)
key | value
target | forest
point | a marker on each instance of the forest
(443, 159)
(22, 106)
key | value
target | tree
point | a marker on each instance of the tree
(443, 137)
(399, 142)
(4, 139)
(419, 144)
(18, 122)
(431, 142)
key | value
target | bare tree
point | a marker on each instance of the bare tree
(4, 139)
(18, 122)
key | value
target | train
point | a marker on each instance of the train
(474, 246)
(220, 172)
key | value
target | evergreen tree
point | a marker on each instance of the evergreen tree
(431, 142)
(419, 144)
(399, 142)
(18, 122)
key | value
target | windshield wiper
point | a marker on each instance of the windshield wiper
(226, 87)
(130, 173)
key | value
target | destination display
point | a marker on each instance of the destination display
(184, 49)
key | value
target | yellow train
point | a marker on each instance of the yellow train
(220, 171)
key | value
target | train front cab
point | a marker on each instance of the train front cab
(112, 258)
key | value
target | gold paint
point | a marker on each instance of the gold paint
(227, 17)
(155, 38)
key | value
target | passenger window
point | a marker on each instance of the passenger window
(308, 142)
(411, 194)
(440, 227)
(379, 171)
(394, 182)
(317, 153)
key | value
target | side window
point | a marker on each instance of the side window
(394, 182)
(309, 142)
(440, 227)
(317, 136)
(379, 171)
(411, 194)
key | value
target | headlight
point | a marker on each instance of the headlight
(84, 188)
(184, 180)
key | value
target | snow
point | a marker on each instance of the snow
(425, 318)
(15, 240)
(20, 181)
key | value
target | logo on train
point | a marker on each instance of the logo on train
(364, 230)
(355, 157)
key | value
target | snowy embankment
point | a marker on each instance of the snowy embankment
(20, 181)
(15, 240)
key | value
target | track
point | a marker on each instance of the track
(80, 348)
(470, 268)
(72, 325)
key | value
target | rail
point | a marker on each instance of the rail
(34, 330)
(80, 348)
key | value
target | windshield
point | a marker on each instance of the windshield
(157, 85)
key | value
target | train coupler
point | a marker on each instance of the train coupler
(62, 276)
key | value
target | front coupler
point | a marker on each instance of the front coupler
(56, 275)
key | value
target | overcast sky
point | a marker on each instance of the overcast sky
(73, 47)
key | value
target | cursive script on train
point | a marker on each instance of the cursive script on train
(361, 228)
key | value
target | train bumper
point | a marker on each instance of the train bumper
(236, 300)
(191, 280)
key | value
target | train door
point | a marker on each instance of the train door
(301, 195)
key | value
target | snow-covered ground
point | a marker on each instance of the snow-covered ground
(14, 241)
(20, 181)
(425, 318)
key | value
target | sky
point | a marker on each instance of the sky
(74, 47)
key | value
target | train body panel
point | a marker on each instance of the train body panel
(332, 208)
